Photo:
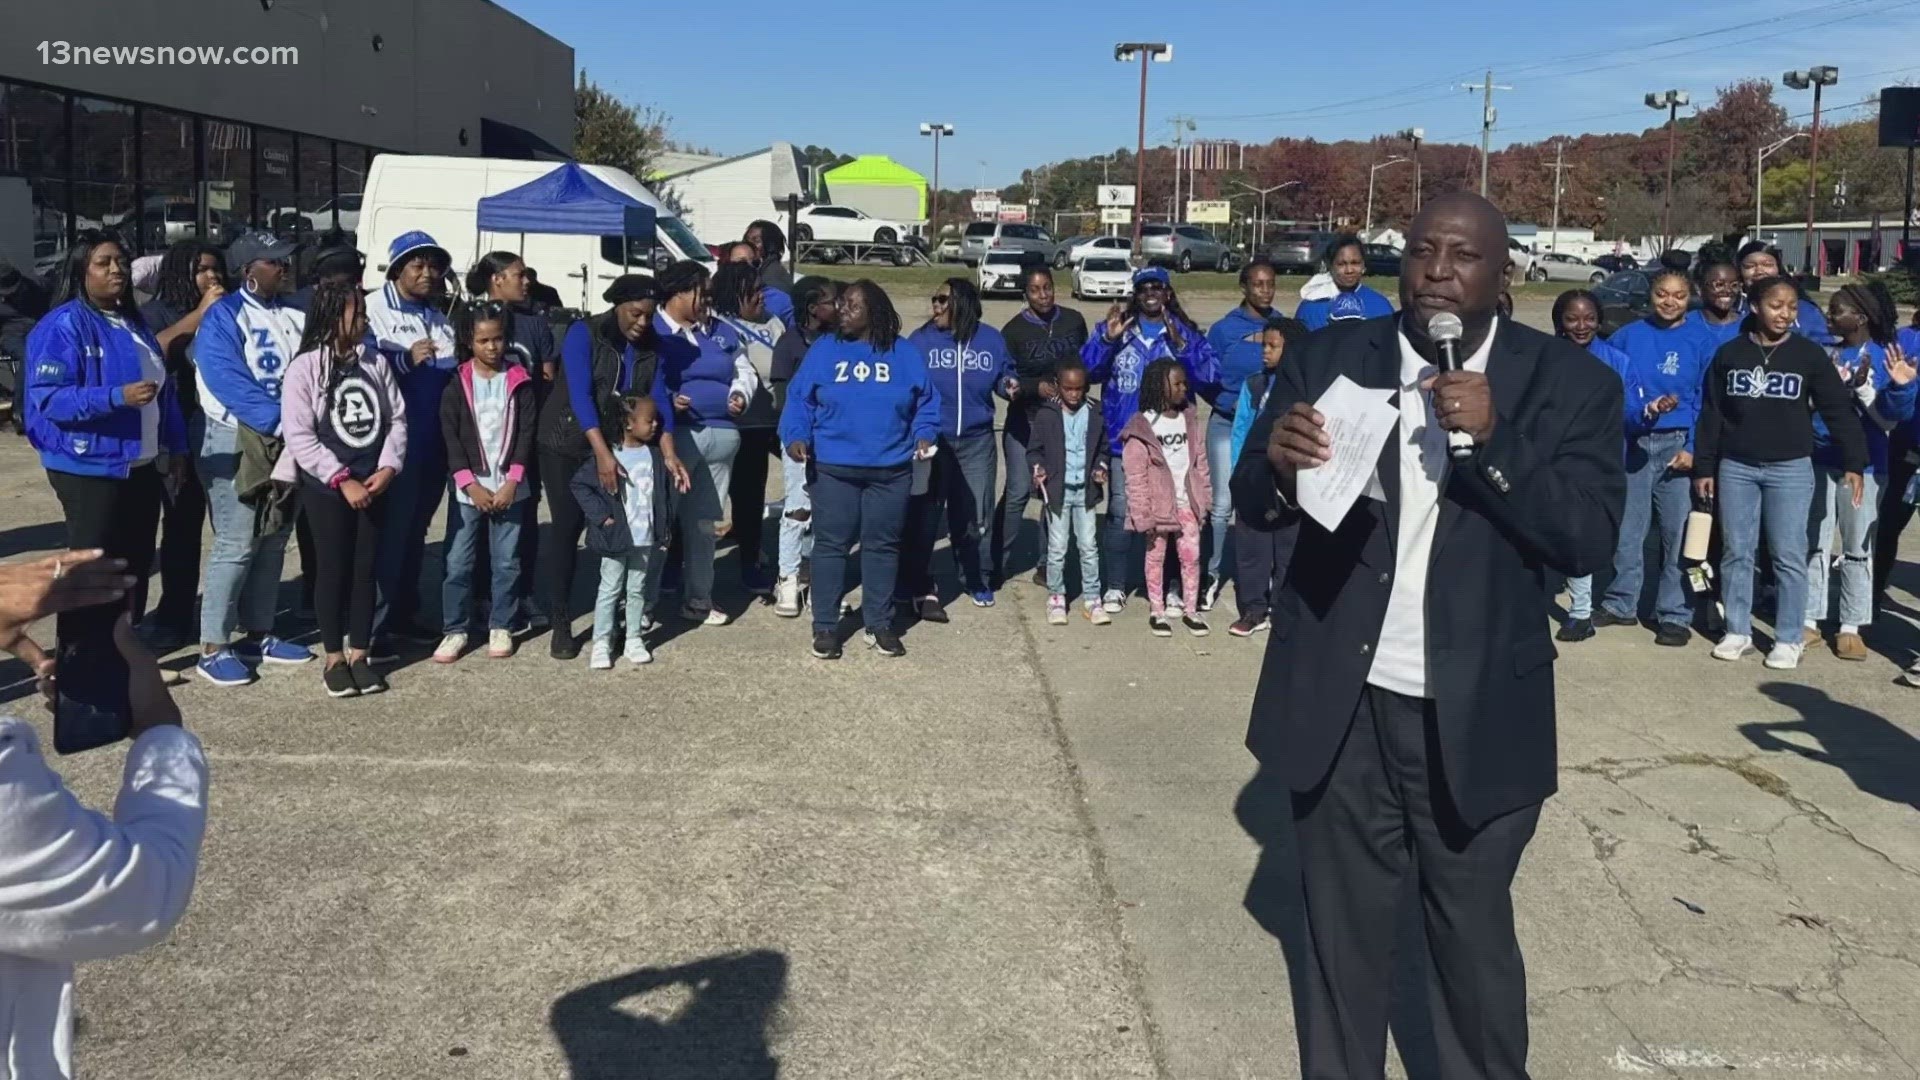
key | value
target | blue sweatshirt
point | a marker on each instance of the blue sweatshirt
(77, 363)
(1635, 399)
(704, 372)
(1116, 366)
(858, 408)
(1670, 360)
(1361, 303)
(576, 358)
(1235, 341)
(778, 304)
(1892, 403)
(965, 377)
(1719, 335)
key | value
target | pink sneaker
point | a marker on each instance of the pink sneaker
(1056, 610)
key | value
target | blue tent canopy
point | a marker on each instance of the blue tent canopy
(568, 200)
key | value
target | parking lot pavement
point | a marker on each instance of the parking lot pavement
(1021, 851)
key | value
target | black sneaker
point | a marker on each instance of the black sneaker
(826, 646)
(885, 642)
(1195, 625)
(1576, 630)
(1672, 635)
(367, 677)
(383, 655)
(1603, 617)
(1160, 626)
(562, 645)
(929, 610)
(339, 681)
(411, 633)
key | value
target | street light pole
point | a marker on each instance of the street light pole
(1368, 227)
(1670, 100)
(1817, 78)
(1160, 52)
(1759, 181)
(938, 131)
(1261, 228)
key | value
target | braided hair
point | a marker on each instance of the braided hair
(733, 284)
(324, 313)
(71, 277)
(1156, 388)
(179, 266)
(1174, 310)
(1875, 302)
(965, 308)
(883, 322)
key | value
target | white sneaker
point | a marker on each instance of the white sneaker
(1114, 601)
(637, 651)
(602, 659)
(499, 644)
(1733, 647)
(1176, 607)
(786, 598)
(1097, 613)
(1912, 675)
(710, 616)
(450, 648)
(1785, 657)
(1212, 595)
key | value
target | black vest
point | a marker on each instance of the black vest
(560, 429)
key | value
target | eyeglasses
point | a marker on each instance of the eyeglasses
(941, 299)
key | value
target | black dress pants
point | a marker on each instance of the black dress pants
(1382, 813)
(119, 516)
(563, 543)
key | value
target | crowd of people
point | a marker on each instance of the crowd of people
(347, 420)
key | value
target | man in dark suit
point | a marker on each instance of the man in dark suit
(1407, 695)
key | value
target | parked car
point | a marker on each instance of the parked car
(1184, 247)
(1623, 297)
(823, 221)
(948, 251)
(981, 237)
(1553, 266)
(1102, 277)
(1299, 251)
(1613, 264)
(289, 219)
(1000, 271)
(1383, 260)
(1091, 246)
(1523, 259)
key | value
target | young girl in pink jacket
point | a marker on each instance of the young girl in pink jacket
(1169, 487)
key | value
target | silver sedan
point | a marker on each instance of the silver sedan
(1552, 266)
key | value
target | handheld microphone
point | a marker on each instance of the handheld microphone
(1445, 330)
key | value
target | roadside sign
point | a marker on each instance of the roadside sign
(1209, 211)
(1116, 215)
(986, 204)
(1116, 194)
(1013, 213)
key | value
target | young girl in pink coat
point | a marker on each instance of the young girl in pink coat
(1169, 487)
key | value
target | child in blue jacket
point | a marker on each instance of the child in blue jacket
(629, 530)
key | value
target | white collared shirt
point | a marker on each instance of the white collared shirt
(1400, 660)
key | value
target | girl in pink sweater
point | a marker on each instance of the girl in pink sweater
(1169, 487)
(345, 424)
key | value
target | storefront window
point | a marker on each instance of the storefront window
(103, 173)
(229, 178)
(275, 201)
(33, 146)
(350, 174)
(316, 185)
(168, 197)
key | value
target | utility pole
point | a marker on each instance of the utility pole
(1487, 117)
(1415, 136)
(1816, 77)
(1559, 166)
(1760, 157)
(1161, 52)
(1181, 125)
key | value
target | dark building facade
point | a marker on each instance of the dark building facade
(161, 119)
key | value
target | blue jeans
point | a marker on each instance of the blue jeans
(1220, 515)
(503, 550)
(1833, 506)
(1019, 486)
(413, 498)
(1653, 492)
(708, 454)
(1120, 549)
(963, 483)
(796, 534)
(1076, 519)
(1774, 496)
(867, 506)
(243, 571)
(1580, 597)
(635, 577)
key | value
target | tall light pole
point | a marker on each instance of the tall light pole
(938, 131)
(1368, 227)
(1670, 100)
(1159, 52)
(1263, 193)
(1759, 178)
(1815, 77)
(1415, 136)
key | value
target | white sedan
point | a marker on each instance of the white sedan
(1103, 277)
(1004, 271)
(844, 223)
(1119, 246)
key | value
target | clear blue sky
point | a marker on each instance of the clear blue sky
(860, 75)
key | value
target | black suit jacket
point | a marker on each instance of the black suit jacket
(1545, 493)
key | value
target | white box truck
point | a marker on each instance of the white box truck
(441, 195)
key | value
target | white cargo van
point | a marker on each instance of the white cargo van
(441, 194)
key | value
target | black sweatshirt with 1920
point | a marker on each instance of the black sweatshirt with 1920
(1759, 405)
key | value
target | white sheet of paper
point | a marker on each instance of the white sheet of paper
(1358, 421)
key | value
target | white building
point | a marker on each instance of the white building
(718, 198)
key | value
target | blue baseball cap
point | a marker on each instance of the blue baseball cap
(1151, 273)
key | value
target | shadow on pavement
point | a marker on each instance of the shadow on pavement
(1265, 810)
(1881, 759)
(44, 536)
(718, 1032)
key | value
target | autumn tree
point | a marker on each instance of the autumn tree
(608, 131)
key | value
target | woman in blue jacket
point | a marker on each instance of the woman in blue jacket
(1151, 326)
(969, 364)
(1667, 357)
(1346, 261)
(104, 415)
(1757, 262)
(1236, 344)
(860, 410)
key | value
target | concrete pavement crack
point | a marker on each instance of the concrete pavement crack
(1132, 968)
